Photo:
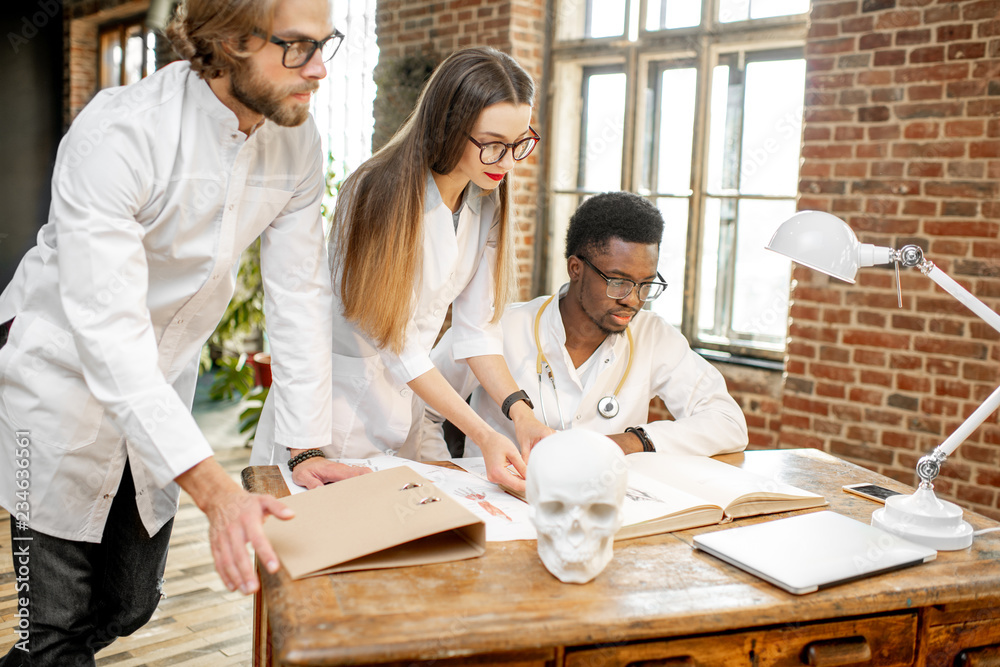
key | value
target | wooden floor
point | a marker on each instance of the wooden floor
(198, 623)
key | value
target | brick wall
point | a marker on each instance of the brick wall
(435, 28)
(902, 140)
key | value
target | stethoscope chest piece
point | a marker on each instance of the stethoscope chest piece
(608, 407)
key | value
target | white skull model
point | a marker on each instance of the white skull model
(575, 487)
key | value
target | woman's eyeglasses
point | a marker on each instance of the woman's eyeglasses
(493, 151)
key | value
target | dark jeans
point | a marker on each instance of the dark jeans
(4, 331)
(82, 596)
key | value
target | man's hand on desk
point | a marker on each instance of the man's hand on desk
(316, 472)
(235, 517)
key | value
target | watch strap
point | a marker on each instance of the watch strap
(519, 395)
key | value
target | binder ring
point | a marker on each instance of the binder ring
(431, 499)
(410, 485)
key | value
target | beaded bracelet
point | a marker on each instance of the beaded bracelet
(647, 444)
(299, 458)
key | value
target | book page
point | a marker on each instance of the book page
(727, 486)
(649, 507)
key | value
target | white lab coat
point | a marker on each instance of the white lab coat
(374, 412)
(155, 195)
(707, 421)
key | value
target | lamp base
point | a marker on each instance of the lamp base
(925, 519)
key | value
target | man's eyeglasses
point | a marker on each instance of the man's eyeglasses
(620, 288)
(300, 51)
(493, 151)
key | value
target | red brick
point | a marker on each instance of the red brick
(923, 93)
(937, 366)
(829, 372)
(952, 389)
(897, 19)
(912, 383)
(805, 405)
(925, 170)
(876, 339)
(898, 440)
(952, 347)
(964, 128)
(869, 396)
(966, 51)
(929, 54)
(831, 390)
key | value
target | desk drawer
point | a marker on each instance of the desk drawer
(963, 636)
(886, 641)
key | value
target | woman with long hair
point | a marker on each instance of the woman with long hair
(426, 224)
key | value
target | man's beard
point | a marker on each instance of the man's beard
(257, 94)
(599, 322)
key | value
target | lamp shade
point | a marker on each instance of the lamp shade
(826, 243)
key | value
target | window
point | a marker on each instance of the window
(127, 53)
(697, 106)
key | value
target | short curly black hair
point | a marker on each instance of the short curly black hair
(611, 215)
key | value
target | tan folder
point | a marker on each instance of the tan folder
(390, 518)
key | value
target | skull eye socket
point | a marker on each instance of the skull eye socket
(603, 512)
(553, 508)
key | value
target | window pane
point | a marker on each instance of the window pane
(606, 18)
(734, 10)
(717, 137)
(603, 132)
(772, 127)
(150, 53)
(667, 14)
(760, 291)
(741, 10)
(709, 279)
(760, 9)
(135, 44)
(670, 304)
(676, 130)
(111, 59)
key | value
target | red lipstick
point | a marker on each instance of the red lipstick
(495, 177)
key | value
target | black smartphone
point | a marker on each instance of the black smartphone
(871, 491)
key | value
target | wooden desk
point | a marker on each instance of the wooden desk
(659, 602)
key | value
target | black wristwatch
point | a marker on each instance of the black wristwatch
(519, 395)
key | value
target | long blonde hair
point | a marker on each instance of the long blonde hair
(379, 221)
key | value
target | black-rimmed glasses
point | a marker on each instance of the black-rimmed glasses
(300, 51)
(493, 151)
(620, 288)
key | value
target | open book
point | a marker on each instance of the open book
(668, 492)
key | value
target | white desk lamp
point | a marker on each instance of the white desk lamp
(826, 243)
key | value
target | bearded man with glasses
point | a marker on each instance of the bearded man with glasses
(591, 357)
(158, 187)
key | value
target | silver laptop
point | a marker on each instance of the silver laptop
(804, 553)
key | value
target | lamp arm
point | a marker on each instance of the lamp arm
(963, 295)
(930, 465)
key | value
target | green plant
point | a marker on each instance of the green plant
(254, 402)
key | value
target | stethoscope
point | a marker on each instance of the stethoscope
(607, 407)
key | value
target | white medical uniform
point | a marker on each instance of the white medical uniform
(374, 412)
(707, 421)
(154, 196)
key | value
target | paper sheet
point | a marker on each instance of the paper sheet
(506, 517)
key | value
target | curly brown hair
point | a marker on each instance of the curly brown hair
(213, 35)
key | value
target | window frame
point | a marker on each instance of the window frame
(701, 46)
(121, 28)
